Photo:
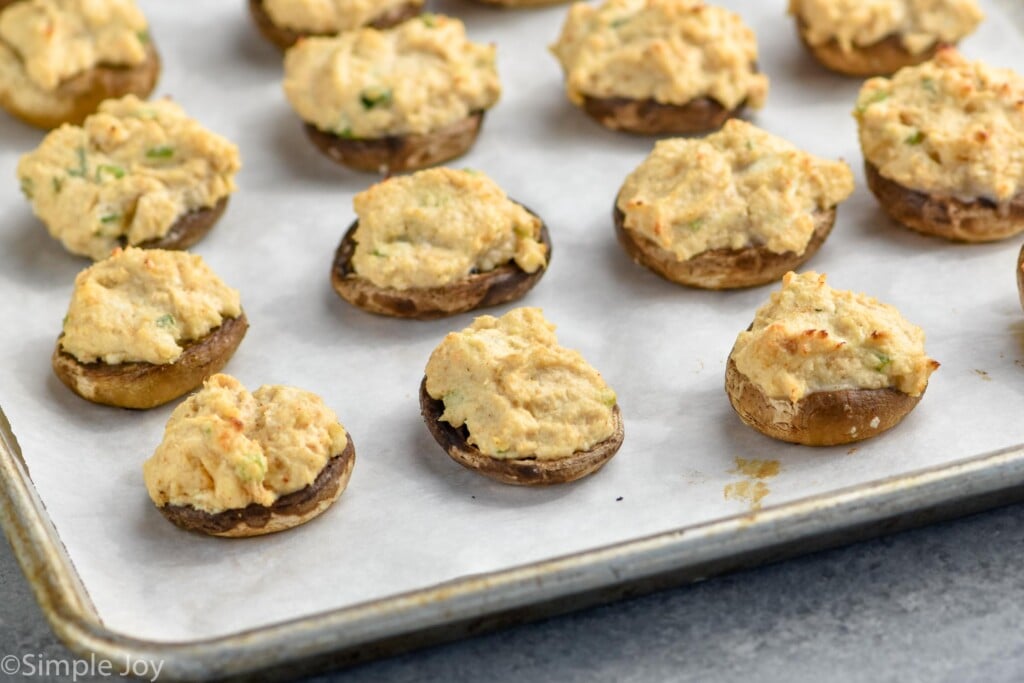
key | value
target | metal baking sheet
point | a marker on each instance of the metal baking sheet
(418, 548)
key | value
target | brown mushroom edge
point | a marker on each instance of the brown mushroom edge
(284, 38)
(288, 511)
(398, 153)
(721, 268)
(141, 385)
(981, 220)
(522, 471)
(823, 418)
(188, 229)
(507, 282)
(883, 58)
(1020, 276)
(81, 95)
(650, 117)
(515, 4)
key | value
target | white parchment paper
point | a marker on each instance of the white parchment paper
(411, 517)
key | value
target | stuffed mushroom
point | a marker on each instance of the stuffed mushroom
(823, 367)
(738, 208)
(396, 100)
(659, 66)
(234, 463)
(436, 243)
(59, 59)
(879, 37)
(136, 173)
(941, 145)
(285, 22)
(504, 399)
(146, 326)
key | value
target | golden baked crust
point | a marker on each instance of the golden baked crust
(521, 471)
(284, 38)
(399, 153)
(80, 96)
(981, 220)
(505, 283)
(287, 511)
(142, 385)
(822, 418)
(721, 268)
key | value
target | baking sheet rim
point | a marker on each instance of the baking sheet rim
(348, 634)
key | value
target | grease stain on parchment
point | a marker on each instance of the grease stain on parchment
(752, 489)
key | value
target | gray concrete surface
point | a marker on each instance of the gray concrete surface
(945, 603)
